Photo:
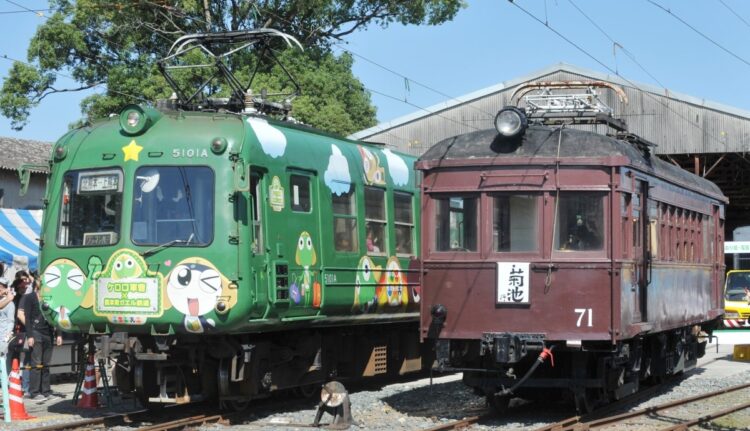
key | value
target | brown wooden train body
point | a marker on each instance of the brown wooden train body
(572, 239)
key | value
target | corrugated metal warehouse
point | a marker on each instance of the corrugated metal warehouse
(703, 137)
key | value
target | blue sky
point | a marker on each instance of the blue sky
(492, 41)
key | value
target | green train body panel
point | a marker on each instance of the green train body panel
(268, 261)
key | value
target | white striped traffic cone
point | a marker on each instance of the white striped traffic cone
(15, 394)
(89, 398)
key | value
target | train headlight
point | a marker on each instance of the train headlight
(60, 152)
(218, 145)
(135, 120)
(511, 122)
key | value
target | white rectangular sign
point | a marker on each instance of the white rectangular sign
(512, 283)
(137, 296)
(732, 247)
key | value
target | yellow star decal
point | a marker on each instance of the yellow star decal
(131, 151)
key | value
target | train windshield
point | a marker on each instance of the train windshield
(173, 204)
(90, 208)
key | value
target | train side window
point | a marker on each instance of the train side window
(375, 220)
(255, 190)
(456, 224)
(580, 221)
(345, 221)
(626, 221)
(515, 223)
(404, 223)
(299, 188)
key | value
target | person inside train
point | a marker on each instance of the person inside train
(372, 241)
(582, 236)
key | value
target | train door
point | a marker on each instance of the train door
(641, 248)
(303, 227)
(257, 231)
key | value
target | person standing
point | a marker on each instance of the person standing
(7, 320)
(40, 335)
(18, 347)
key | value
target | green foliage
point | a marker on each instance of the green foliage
(115, 46)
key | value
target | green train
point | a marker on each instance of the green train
(241, 255)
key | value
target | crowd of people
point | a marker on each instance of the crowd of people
(25, 335)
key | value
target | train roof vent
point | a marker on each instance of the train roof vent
(200, 69)
(570, 102)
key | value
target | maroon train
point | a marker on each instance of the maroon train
(558, 261)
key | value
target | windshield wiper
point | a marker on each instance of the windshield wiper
(167, 244)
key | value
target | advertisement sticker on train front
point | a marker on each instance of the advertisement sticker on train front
(138, 296)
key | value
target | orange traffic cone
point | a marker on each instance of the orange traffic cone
(89, 398)
(15, 395)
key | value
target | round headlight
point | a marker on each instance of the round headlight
(510, 122)
(218, 145)
(134, 117)
(60, 152)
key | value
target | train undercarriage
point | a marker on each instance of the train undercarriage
(235, 369)
(504, 366)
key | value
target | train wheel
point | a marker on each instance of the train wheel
(235, 405)
(499, 403)
(585, 400)
(307, 391)
(146, 384)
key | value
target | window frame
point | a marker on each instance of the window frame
(383, 223)
(411, 226)
(212, 211)
(433, 227)
(121, 191)
(539, 223)
(308, 180)
(601, 252)
(353, 215)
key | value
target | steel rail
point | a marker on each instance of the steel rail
(705, 418)
(183, 422)
(89, 423)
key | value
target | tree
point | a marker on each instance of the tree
(117, 44)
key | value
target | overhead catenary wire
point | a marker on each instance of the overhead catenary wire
(615, 43)
(735, 13)
(703, 35)
(389, 96)
(629, 82)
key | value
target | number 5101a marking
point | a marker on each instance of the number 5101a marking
(582, 312)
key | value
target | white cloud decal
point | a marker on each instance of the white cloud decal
(397, 168)
(337, 176)
(271, 138)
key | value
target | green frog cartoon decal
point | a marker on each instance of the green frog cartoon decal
(306, 258)
(65, 288)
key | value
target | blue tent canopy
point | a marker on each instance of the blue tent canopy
(19, 237)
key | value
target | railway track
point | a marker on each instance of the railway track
(587, 422)
(602, 418)
(174, 420)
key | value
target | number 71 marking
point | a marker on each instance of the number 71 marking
(582, 312)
